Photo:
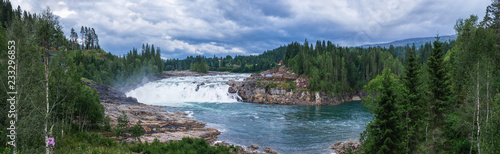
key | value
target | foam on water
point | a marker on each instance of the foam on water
(176, 91)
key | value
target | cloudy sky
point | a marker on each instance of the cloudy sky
(235, 27)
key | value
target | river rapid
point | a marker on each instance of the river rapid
(284, 128)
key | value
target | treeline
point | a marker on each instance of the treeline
(238, 64)
(133, 68)
(423, 52)
(448, 104)
(90, 40)
(336, 69)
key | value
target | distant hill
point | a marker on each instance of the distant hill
(410, 41)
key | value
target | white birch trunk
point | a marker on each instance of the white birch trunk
(478, 111)
(47, 101)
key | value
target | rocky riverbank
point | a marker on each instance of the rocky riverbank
(158, 123)
(280, 86)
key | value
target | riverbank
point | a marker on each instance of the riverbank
(280, 86)
(159, 124)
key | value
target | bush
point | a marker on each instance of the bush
(122, 124)
(106, 124)
(186, 145)
(88, 142)
(137, 130)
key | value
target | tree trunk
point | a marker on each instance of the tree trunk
(487, 95)
(47, 101)
(472, 133)
(478, 111)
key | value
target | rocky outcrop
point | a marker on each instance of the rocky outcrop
(347, 147)
(158, 123)
(275, 87)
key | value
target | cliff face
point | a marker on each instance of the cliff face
(280, 86)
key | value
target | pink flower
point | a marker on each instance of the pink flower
(50, 141)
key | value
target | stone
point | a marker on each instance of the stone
(345, 147)
(269, 150)
(231, 90)
(252, 147)
(157, 123)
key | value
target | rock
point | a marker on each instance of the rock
(221, 143)
(356, 98)
(346, 147)
(157, 123)
(276, 91)
(252, 147)
(255, 89)
(269, 150)
(302, 83)
(231, 90)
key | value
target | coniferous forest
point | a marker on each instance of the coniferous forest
(440, 97)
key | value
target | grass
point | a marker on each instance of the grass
(93, 142)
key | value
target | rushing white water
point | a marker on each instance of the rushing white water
(175, 91)
(284, 128)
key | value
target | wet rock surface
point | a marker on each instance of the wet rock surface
(158, 123)
(256, 89)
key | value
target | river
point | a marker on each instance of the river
(284, 128)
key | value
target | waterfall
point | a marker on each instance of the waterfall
(175, 91)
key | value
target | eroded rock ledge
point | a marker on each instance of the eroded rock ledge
(158, 123)
(280, 86)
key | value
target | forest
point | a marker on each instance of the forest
(239, 64)
(447, 103)
(52, 99)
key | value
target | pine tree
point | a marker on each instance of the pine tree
(414, 107)
(439, 104)
(384, 134)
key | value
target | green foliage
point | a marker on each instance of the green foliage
(199, 66)
(336, 69)
(186, 145)
(137, 130)
(440, 95)
(88, 142)
(288, 85)
(415, 106)
(122, 124)
(106, 124)
(131, 69)
(385, 133)
(264, 61)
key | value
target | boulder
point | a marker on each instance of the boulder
(252, 147)
(231, 90)
(269, 150)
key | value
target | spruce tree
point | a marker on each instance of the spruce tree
(413, 107)
(384, 134)
(440, 92)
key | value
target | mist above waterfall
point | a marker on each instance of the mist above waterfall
(175, 91)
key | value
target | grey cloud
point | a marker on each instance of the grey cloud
(181, 27)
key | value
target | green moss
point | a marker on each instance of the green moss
(289, 85)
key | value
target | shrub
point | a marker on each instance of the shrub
(137, 130)
(122, 124)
